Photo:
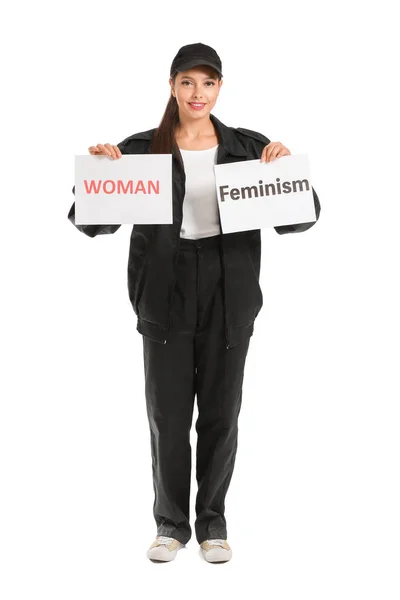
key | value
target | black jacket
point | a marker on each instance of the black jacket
(154, 248)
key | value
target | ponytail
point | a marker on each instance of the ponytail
(163, 141)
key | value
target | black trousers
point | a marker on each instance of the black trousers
(194, 361)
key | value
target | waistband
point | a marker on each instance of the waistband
(204, 243)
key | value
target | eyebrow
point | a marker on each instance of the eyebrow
(209, 77)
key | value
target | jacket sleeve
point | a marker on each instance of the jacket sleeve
(299, 227)
(93, 230)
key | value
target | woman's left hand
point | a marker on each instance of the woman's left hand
(274, 150)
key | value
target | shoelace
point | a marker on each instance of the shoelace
(163, 539)
(216, 542)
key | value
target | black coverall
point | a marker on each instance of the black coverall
(196, 302)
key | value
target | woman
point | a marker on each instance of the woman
(196, 295)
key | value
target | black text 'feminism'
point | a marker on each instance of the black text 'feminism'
(263, 189)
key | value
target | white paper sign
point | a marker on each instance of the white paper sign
(133, 189)
(253, 195)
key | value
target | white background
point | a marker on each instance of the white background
(312, 510)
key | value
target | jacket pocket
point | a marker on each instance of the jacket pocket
(244, 297)
(139, 250)
(140, 281)
(151, 277)
(255, 254)
(136, 271)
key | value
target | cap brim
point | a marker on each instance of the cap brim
(196, 62)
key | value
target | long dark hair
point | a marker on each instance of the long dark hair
(163, 141)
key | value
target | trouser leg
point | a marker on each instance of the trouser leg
(219, 380)
(169, 387)
(170, 391)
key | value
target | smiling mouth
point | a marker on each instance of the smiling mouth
(197, 105)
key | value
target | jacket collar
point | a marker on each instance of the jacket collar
(226, 137)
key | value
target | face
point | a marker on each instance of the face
(197, 85)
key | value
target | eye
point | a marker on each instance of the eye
(186, 81)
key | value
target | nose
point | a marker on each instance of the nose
(197, 96)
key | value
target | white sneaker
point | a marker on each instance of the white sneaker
(216, 550)
(164, 548)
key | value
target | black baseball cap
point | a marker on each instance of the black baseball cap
(192, 55)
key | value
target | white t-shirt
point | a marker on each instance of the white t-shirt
(200, 206)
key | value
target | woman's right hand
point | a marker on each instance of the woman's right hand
(107, 149)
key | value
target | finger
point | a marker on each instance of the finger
(103, 149)
(264, 153)
(279, 150)
(271, 150)
(111, 149)
(93, 150)
(117, 151)
(282, 152)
